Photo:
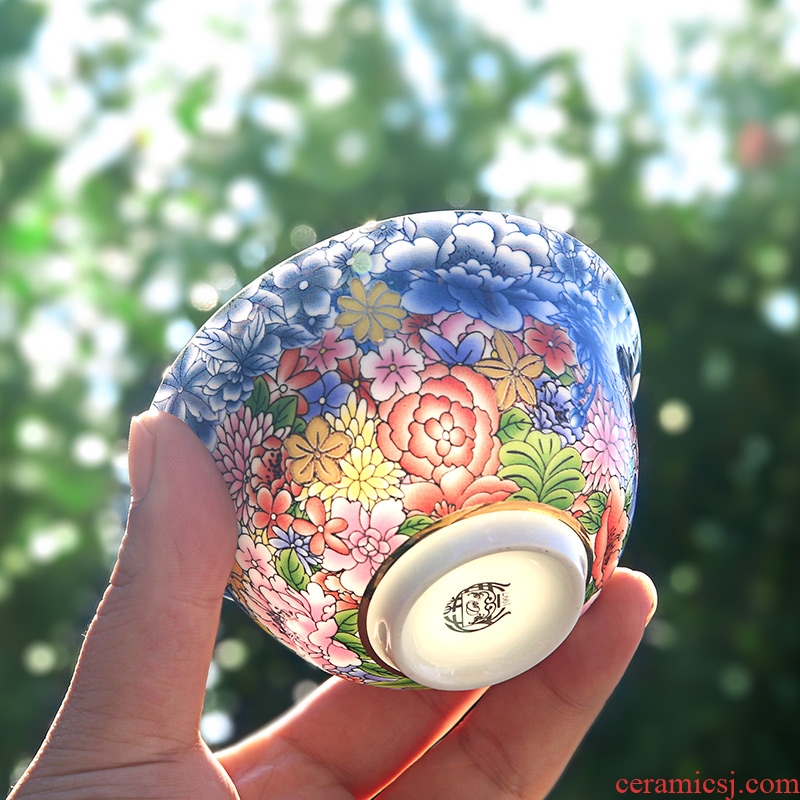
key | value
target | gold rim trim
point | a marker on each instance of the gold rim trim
(445, 522)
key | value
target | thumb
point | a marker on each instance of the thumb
(141, 674)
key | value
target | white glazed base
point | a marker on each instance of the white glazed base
(480, 600)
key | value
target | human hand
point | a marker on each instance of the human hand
(129, 724)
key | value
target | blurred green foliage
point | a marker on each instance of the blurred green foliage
(152, 163)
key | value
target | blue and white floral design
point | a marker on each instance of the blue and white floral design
(471, 273)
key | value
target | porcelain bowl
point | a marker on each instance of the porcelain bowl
(426, 427)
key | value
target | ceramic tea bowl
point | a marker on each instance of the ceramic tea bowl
(426, 427)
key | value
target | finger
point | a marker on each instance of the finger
(520, 736)
(356, 738)
(141, 674)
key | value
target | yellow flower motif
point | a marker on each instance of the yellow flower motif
(514, 375)
(353, 421)
(367, 477)
(371, 315)
(316, 455)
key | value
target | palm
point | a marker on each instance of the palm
(129, 725)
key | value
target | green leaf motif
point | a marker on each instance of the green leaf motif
(597, 505)
(413, 525)
(290, 568)
(284, 412)
(259, 399)
(545, 471)
(515, 425)
(347, 621)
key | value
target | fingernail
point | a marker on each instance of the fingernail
(646, 579)
(141, 455)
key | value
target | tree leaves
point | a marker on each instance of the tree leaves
(545, 470)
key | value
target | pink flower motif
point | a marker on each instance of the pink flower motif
(324, 354)
(450, 422)
(268, 597)
(611, 535)
(606, 447)
(370, 537)
(303, 621)
(253, 555)
(345, 599)
(457, 489)
(240, 440)
(391, 368)
(314, 627)
(269, 469)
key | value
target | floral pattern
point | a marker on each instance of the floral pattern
(396, 374)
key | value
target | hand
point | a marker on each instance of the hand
(129, 724)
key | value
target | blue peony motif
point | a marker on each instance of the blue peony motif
(527, 226)
(307, 285)
(555, 409)
(571, 261)
(234, 358)
(498, 284)
(506, 226)
(182, 392)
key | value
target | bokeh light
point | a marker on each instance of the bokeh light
(675, 416)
